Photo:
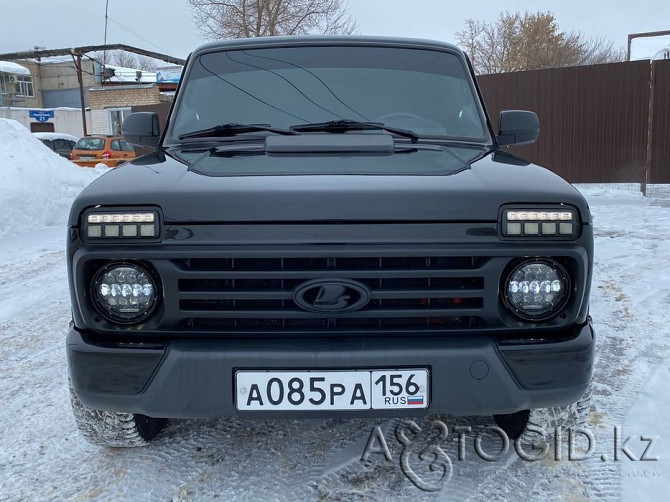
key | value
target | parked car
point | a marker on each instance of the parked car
(101, 149)
(60, 143)
(329, 227)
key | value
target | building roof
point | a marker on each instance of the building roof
(123, 87)
(122, 74)
(10, 67)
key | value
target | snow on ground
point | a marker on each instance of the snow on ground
(42, 457)
(37, 185)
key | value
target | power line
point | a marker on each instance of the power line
(136, 34)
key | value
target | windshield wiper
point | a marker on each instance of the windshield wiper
(231, 129)
(340, 126)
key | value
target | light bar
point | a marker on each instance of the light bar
(539, 223)
(122, 218)
(539, 215)
(122, 225)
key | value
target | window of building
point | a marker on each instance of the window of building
(24, 84)
(116, 116)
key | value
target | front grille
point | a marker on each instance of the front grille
(407, 293)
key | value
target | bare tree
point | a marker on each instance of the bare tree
(600, 50)
(261, 18)
(145, 63)
(530, 41)
(123, 59)
(126, 60)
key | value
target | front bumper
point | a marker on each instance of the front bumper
(469, 375)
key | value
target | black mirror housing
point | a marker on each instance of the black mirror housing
(517, 127)
(141, 129)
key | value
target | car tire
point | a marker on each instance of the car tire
(538, 425)
(112, 429)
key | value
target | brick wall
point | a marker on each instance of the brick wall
(123, 96)
(98, 124)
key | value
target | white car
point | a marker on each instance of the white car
(60, 143)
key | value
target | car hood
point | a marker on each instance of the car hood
(424, 185)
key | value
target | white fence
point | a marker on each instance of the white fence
(65, 120)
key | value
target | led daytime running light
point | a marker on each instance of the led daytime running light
(122, 218)
(539, 215)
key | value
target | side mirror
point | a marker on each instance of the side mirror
(517, 127)
(141, 129)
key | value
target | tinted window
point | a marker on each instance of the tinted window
(426, 91)
(126, 147)
(48, 143)
(63, 146)
(121, 145)
(90, 144)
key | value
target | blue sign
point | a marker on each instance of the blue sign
(41, 115)
(169, 74)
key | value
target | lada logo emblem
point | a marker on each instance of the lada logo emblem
(331, 295)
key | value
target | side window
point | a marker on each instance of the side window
(116, 145)
(63, 146)
(126, 147)
(48, 143)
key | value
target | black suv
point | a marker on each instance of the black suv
(328, 227)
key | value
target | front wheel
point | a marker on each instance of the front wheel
(536, 425)
(116, 430)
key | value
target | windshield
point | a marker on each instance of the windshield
(90, 144)
(426, 91)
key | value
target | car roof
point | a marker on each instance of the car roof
(55, 135)
(324, 40)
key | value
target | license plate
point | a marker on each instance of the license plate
(331, 390)
(86, 157)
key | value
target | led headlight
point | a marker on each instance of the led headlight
(537, 289)
(552, 222)
(120, 225)
(124, 293)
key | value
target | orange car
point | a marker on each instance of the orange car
(108, 150)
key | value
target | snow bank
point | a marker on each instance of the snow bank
(648, 417)
(37, 186)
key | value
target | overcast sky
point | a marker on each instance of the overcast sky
(166, 25)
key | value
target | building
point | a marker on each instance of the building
(16, 86)
(55, 80)
(43, 90)
(110, 104)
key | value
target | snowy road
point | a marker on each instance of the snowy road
(42, 456)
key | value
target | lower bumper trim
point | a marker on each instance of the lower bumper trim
(470, 375)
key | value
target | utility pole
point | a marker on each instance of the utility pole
(104, 52)
(650, 129)
(77, 65)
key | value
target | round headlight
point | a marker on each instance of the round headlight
(537, 289)
(124, 293)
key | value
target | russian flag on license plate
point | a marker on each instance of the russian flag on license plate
(417, 400)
